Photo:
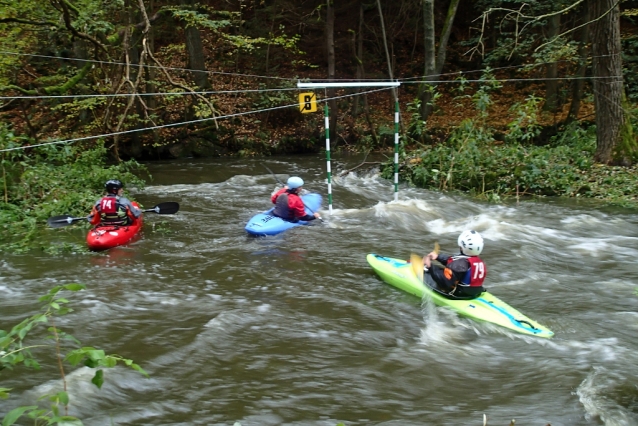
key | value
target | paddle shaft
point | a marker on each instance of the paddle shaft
(65, 220)
(273, 175)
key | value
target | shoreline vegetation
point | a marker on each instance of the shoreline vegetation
(64, 179)
(516, 119)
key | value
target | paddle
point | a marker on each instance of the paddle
(417, 265)
(273, 175)
(169, 207)
(417, 261)
(283, 184)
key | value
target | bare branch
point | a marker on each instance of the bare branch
(166, 74)
(28, 22)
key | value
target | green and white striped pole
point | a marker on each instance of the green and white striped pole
(338, 84)
(396, 150)
(328, 170)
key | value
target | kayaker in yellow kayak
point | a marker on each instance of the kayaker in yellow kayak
(463, 274)
(114, 208)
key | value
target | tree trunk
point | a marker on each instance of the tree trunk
(357, 48)
(608, 80)
(551, 85)
(195, 51)
(150, 73)
(387, 53)
(434, 67)
(583, 53)
(430, 58)
(445, 35)
(330, 44)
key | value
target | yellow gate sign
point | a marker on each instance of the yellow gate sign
(307, 102)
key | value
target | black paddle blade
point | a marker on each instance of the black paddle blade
(170, 207)
(64, 220)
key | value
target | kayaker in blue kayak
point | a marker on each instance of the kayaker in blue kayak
(114, 208)
(288, 204)
(463, 274)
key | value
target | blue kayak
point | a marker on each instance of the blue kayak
(267, 224)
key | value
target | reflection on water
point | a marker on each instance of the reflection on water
(296, 329)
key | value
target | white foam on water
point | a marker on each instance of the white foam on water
(596, 394)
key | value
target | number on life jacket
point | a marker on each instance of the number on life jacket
(108, 205)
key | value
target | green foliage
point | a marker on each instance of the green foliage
(197, 19)
(525, 126)
(417, 127)
(51, 180)
(266, 99)
(471, 162)
(161, 227)
(15, 352)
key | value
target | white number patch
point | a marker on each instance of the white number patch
(479, 270)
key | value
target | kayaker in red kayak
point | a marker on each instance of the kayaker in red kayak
(464, 273)
(114, 208)
(288, 204)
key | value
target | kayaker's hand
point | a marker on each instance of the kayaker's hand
(433, 255)
(317, 216)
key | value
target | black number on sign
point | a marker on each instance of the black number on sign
(307, 102)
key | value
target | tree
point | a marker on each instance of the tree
(615, 141)
(330, 52)
(612, 127)
(195, 51)
(434, 61)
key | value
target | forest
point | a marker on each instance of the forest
(163, 79)
(495, 98)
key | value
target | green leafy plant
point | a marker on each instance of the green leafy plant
(525, 127)
(15, 351)
(51, 180)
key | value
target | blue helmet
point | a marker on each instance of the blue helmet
(294, 182)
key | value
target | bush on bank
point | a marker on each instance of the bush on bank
(474, 162)
(471, 161)
(40, 182)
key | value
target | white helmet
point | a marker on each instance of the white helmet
(294, 182)
(471, 243)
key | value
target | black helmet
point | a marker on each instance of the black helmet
(113, 185)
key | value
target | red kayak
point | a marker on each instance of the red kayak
(104, 237)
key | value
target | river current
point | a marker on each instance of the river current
(296, 329)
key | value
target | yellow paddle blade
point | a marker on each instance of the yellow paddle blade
(437, 248)
(417, 265)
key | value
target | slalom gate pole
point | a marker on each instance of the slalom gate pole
(328, 170)
(396, 149)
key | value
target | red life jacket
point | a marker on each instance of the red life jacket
(111, 211)
(474, 276)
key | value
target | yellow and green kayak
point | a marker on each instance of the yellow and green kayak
(486, 307)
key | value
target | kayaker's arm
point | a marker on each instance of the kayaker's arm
(127, 203)
(448, 278)
(94, 216)
(442, 258)
(310, 217)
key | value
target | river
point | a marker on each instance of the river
(296, 329)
